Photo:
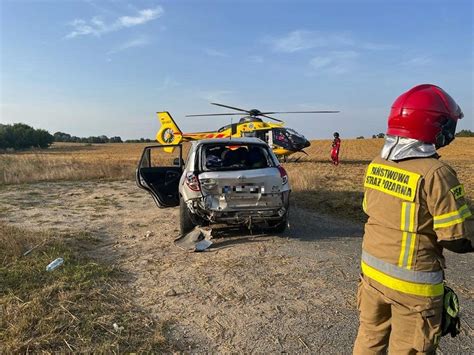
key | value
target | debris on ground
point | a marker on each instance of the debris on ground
(171, 292)
(196, 240)
(54, 264)
(202, 245)
(148, 234)
(117, 328)
(33, 248)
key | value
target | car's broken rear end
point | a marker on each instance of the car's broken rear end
(239, 183)
(243, 195)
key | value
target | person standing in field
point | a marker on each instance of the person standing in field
(336, 145)
(416, 208)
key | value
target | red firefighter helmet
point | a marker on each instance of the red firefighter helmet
(426, 113)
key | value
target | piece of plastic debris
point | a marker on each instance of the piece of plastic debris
(202, 245)
(196, 240)
(148, 234)
(117, 328)
(55, 264)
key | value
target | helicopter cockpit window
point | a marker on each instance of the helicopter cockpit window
(281, 137)
(293, 132)
(235, 157)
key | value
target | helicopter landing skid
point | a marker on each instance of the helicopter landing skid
(286, 159)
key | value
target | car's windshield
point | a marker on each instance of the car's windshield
(235, 157)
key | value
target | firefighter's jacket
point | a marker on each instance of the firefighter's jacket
(412, 205)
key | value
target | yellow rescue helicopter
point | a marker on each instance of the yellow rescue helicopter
(284, 141)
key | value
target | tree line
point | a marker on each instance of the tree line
(65, 137)
(22, 136)
(465, 133)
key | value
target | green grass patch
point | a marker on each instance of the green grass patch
(72, 308)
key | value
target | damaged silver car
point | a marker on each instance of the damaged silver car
(230, 181)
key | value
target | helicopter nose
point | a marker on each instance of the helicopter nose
(302, 144)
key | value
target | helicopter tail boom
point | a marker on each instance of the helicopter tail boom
(169, 132)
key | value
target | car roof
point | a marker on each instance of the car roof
(240, 140)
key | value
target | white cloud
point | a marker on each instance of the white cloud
(215, 95)
(320, 62)
(133, 43)
(302, 39)
(417, 61)
(143, 17)
(335, 62)
(215, 53)
(97, 27)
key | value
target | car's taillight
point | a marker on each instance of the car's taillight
(283, 174)
(193, 182)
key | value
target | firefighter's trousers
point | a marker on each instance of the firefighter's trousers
(401, 323)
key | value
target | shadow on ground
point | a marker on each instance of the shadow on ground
(304, 224)
(328, 161)
(345, 205)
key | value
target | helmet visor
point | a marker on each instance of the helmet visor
(447, 133)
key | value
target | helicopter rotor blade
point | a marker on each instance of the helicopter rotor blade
(215, 114)
(254, 113)
(232, 108)
(272, 118)
(270, 113)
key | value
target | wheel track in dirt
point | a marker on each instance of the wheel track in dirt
(250, 293)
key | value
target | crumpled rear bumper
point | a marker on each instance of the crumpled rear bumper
(222, 209)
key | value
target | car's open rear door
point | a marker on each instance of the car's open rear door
(159, 172)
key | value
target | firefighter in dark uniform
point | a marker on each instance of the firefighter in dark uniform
(416, 208)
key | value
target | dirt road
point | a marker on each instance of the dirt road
(248, 293)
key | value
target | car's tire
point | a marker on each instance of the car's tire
(186, 223)
(279, 226)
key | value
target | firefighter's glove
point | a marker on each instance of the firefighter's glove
(451, 323)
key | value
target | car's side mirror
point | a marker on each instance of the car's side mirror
(177, 162)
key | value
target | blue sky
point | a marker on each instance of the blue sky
(105, 67)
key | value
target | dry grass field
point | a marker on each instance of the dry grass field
(70, 161)
(316, 183)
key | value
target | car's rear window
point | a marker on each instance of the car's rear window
(216, 157)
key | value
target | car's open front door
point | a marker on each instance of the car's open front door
(159, 172)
